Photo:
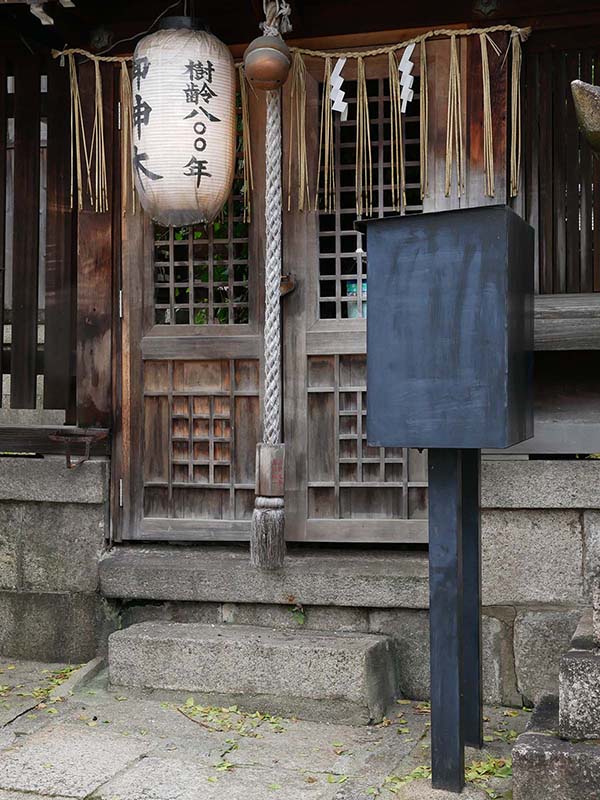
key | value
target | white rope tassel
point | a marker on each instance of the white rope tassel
(267, 540)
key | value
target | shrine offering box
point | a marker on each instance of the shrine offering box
(450, 329)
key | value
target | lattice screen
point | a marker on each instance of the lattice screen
(208, 413)
(346, 477)
(343, 270)
(201, 272)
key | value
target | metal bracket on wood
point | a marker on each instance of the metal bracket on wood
(288, 284)
(86, 438)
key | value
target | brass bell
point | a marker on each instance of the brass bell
(267, 62)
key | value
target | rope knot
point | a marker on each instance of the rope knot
(277, 18)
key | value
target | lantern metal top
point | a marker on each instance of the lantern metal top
(179, 23)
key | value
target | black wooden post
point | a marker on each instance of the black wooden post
(446, 618)
(471, 565)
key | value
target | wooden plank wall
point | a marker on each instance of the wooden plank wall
(25, 233)
(56, 287)
(561, 180)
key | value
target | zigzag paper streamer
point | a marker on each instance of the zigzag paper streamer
(337, 94)
(406, 79)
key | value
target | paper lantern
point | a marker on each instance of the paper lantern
(184, 123)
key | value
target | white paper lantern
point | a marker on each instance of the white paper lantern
(184, 125)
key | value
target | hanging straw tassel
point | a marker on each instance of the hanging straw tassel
(424, 122)
(488, 130)
(396, 142)
(298, 132)
(515, 116)
(127, 170)
(454, 132)
(248, 173)
(326, 152)
(98, 149)
(78, 140)
(364, 162)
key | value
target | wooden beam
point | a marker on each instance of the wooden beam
(3, 137)
(567, 322)
(26, 232)
(94, 276)
(49, 440)
(60, 277)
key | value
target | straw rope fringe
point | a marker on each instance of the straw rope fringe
(94, 154)
(424, 122)
(128, 180)
(364, 158)
(488, 131)
(326, 150)
(396, 143)
(89, 161)
(454, 131)
(298, 133)
(248, 173)
(515, 116)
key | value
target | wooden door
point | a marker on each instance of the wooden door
(338, 488)
(192, 347)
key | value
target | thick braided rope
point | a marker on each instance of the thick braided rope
(273, 206)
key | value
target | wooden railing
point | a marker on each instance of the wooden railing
(56, 266)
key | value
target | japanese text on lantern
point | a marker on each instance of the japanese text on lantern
(199, 92)
(141, 117)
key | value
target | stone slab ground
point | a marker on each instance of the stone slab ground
(107, 743)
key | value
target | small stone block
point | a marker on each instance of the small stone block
(546, 767)
(579, 687)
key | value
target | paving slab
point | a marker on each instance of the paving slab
(162, 779)
(117, 744)
(24, 684)
(60, 760)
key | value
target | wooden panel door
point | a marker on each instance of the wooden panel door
(339, 489)
(192, 347)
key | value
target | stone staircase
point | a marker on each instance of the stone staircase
(342, 677)
(558, 756)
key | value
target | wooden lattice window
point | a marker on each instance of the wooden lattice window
(208, 412)
(201, 271)
(342, 264)
(348, 478)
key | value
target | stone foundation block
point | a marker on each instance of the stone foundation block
(50, 627)
(548, 768)
(326, 676)
(61, 545)
(321, 618)
(410, 631)
(540, 639)
(579, 686)
(532, 557)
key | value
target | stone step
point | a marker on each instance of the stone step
(342, 677)
(546, 767)
(579, 685)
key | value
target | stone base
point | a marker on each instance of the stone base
(51, 627)
(579, 692)
(546, 767)
(340, 677)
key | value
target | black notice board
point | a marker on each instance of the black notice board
(450, 329)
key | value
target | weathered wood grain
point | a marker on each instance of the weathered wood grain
(60, 277)
(25, 233)
(94, 276)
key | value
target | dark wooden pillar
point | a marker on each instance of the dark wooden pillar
(471, 566)
(446, 618)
